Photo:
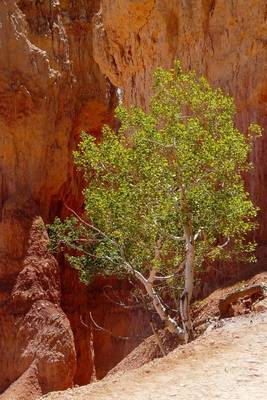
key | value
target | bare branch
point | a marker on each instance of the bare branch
(221, 246)
(197, 234)
(107, 258)
(178, 238)
(100, 328)
(88, 225)
(83, 323)
(164, 278)
(84, 222)
(120, 303)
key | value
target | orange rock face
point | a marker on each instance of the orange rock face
(61, 62)
(37, 346)
(50, 89)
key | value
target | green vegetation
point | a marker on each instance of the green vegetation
(165, 193)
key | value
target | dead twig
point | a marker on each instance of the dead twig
(101, 328)
(120, 303)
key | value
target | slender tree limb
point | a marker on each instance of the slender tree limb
(178, 238)
(119, 303)
(88, 225)
(100, 328)
(83, 323)
(160, 345)
(164, 278)
(197, 234)
(221, 246)
(158, 339)
(152, 276)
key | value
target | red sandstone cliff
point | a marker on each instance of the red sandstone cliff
(61, 62)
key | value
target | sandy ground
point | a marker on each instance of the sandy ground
(227, 362)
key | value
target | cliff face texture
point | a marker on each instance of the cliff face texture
(50, 88)
(61, 64)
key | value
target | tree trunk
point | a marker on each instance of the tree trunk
(169, 322)
(186, 296)
(186, 217)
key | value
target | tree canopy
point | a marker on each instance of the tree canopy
(166, 190)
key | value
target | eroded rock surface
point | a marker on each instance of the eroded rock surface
(37, 346)
(61, 62)
(50, 89)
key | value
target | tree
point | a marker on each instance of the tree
(165, 192)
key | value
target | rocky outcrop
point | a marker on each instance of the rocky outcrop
(62, 63)
(37, 346)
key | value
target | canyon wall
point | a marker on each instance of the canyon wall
(61, 64)
(50, 89)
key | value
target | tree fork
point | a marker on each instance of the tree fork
(169, 322)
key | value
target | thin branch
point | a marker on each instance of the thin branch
(94, 256)
(197, 234)
(84, 240)
(83, 323)
(164, 278)
(166, 306)
(160, 345)
(83, 221)
(100, 328)
(178, 238)
(99, 257)
(221, 246)
(119, 303)
(88, 225)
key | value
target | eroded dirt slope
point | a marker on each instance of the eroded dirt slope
(228, 362)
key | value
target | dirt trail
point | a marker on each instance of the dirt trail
(229, 362)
